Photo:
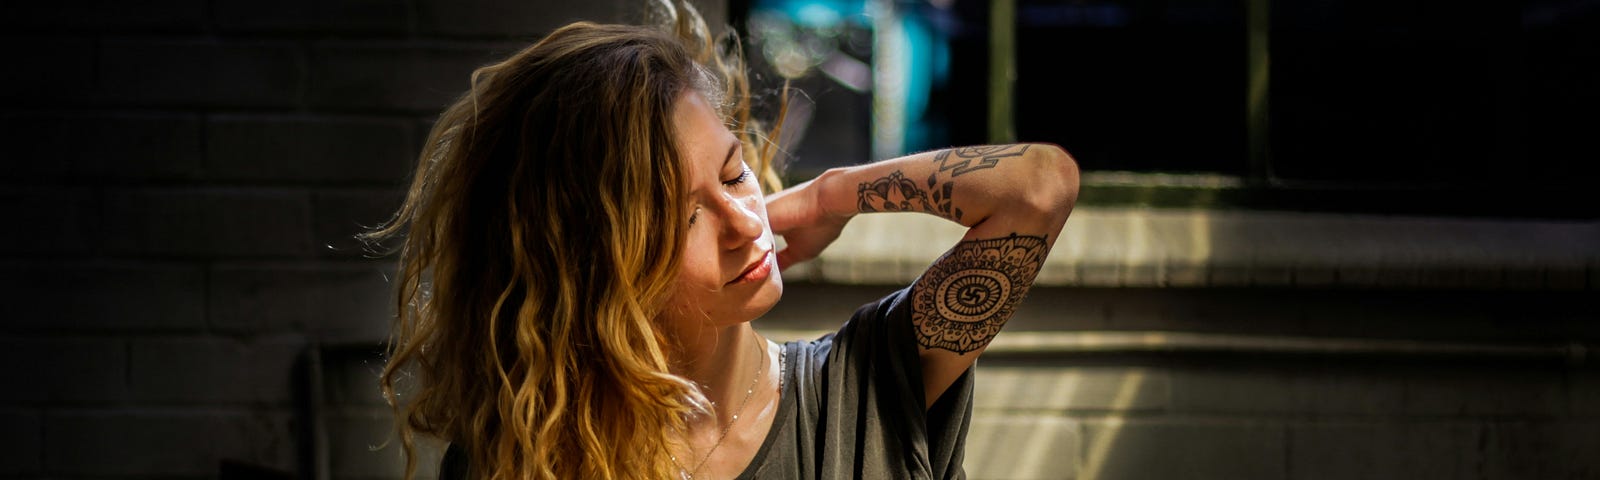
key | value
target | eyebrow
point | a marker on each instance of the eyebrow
(731, 148)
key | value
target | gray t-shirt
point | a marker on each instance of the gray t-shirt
(852, 407)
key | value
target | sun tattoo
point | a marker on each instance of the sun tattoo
(961, 302)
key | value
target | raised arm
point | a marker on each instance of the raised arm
(1014, 199)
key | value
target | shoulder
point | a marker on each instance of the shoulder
(877, 319)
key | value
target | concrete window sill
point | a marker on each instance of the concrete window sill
(1138, 247)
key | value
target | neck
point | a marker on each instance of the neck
(723, 362)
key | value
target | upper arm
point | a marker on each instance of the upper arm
(964, 298)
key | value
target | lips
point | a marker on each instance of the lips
(756, 270)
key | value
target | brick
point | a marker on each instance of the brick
(1100, 274)
(1069, 250)
(1388, 450)
(123, 146)
(1316, 276)
(1393, 392)
(1057, 271)
(363, 445)
(1399, 277)
(308, 149)
(351, 377)
(392, 77)
(1070, 389)
(1458, 277)
(1565, 277)
(163, 443)
(22, 432)
(45, 70)
(1118, 448)
(336, 16)
(172, 73)
(1103, 251)
(105, 15)
(203, 370)
(1228, 275)
(1143, 274)
(1594, 274)
(1348, 392)
(1024, 447)
(78, 371)
(1271, 276)
(1358, 275)
(351, 302)
(1216, 390)
(98, 296)
(55, 220)
(1561, 449)
(1186, 275)
(1522, 277)
(1486, 391)
(1232, 238)
(524, 19)
(1051, 308)
(207, 222)
(339, 215)
(1584, 392)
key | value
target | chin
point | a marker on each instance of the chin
(765, 297)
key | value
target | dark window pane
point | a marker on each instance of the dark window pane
(1134, 85)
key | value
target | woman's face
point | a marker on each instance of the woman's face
(729, 273)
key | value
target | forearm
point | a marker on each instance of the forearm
(1023, 184)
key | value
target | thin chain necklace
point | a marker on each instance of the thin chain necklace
(688, 474)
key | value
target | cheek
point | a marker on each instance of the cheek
(698, 272)
(695, 284)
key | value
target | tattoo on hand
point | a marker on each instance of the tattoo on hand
(962, 301)
(895, 193)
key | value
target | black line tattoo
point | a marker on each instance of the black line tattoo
(961, 302)
(987, 156)
(895, 193)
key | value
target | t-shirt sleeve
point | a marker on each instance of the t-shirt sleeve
(874, 388)
(454, 464)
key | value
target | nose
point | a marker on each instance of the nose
(744, 220)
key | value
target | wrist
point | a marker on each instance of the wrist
(834, 194)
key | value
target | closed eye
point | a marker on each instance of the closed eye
(744, 174)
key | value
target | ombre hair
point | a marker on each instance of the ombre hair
(541, 236)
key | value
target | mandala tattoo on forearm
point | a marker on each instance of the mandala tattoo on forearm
(895, 193)
(961, 302)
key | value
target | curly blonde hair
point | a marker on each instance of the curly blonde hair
(541, 234)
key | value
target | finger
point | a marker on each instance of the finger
(781, 213)
(784, 260)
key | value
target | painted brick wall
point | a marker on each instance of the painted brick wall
(182, 177)
(181, 181)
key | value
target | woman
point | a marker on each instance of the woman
(586, 244)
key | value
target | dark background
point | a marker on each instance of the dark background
(1404, 291)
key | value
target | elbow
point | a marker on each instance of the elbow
(1057, 178)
